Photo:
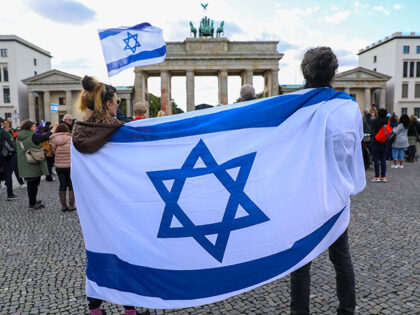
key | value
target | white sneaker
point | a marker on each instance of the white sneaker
(23, 186)
(394, 166)
(401, 166)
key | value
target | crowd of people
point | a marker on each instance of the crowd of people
(399, 144)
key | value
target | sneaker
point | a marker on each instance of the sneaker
(375, 179)
(383, 179)
(12, 197)
(23, 186)
(37, 206)
(394, 166)
(401, 166)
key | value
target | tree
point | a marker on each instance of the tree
(154, 106)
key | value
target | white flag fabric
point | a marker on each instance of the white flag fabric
(127, 47)
(190, 209)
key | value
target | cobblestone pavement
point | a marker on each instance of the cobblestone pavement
(42, 258)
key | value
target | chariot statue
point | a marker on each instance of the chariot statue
(206, 28)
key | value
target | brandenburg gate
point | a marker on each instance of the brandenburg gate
(211, 57)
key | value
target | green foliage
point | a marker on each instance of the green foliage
(154, 106)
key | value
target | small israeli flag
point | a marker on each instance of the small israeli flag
(127, 47)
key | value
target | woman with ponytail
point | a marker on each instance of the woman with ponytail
(99, 103)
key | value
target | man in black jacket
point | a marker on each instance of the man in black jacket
(378, 148)
(9, 162)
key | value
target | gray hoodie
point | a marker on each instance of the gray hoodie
(401, 141)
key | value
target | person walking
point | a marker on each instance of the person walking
(318, 67)
(400, 143)
(413, 135)
(60, 145)
(8, 160)
(378, 148)
(28, 139)
(98, 102)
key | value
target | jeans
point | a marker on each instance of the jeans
(379, 157)
(33, 183)
(95, 303)
(64, 178)
(300, 281)
(398, 154)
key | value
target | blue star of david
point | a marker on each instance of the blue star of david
(237, 198)
(127, 42)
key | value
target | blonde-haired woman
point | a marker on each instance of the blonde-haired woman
(99, 103)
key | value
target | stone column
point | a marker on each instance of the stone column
(69, 103)
(246, 77)
(347, 90)
(267, 83)
(275, 82)
(47, 106)
(140, 89)
(129, 109)
(223, 87)
(190, 91)
(367, 98)
(382, 98)
(31, 99)
(165, 86)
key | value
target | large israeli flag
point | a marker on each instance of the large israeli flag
(127, 47)
(194, 208)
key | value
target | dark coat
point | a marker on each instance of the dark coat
(376, 125)
(5, 136)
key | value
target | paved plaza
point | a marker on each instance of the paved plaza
(42, 258)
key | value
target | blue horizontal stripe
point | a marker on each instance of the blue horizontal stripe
(159, 52)
(109, 271)
(115, 31)
(269, 112)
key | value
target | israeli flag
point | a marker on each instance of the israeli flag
(191, 209)
(127, 47)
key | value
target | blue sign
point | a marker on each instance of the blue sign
(54, 108)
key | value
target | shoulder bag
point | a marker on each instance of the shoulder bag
(33, 156)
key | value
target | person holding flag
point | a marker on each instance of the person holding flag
(99, 103)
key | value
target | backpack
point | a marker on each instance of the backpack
(7, 150)
(384, 133)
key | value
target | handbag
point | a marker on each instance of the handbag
(7, 150)
(392, 137)
(33, 156)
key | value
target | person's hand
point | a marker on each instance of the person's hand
(54, 128)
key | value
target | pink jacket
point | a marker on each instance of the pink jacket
(60, 144)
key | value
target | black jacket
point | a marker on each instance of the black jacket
(376, 124)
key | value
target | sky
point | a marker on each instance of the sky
(68, 29)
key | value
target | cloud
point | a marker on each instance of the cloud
(337, 17)
(381, 9)
(357, 4)
(62, 11)
(397, 6)
(281, 46)
(346, 58)
(79, 63)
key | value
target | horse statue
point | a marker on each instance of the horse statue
(193, 30)
(220, 29)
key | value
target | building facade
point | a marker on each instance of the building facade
(19, 59)
(210, 57)
(397, 56)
